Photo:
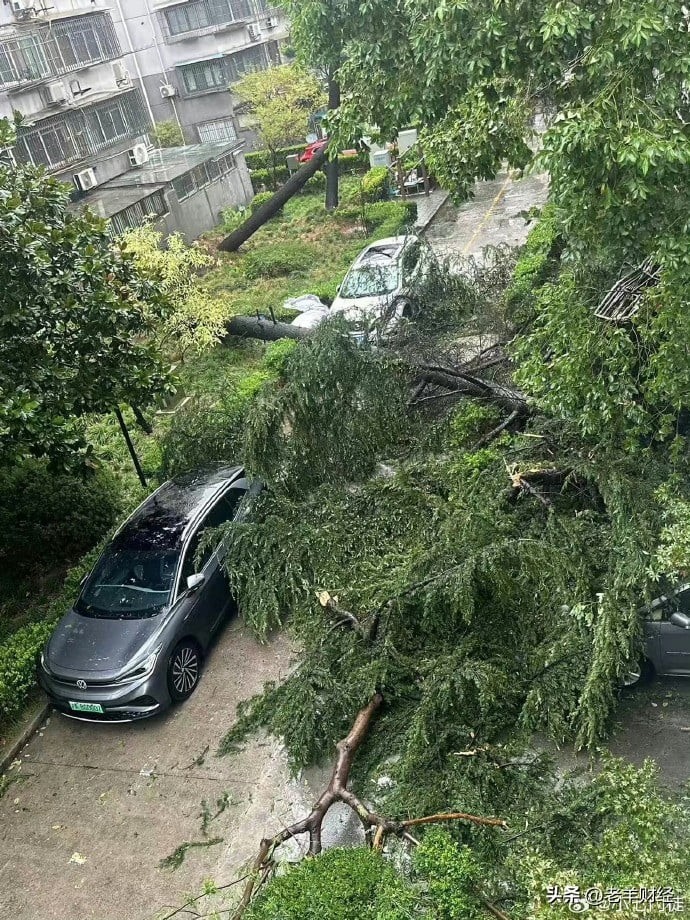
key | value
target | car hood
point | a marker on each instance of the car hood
(82, 644)
(360, 309)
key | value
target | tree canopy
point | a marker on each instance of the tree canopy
(76, 316)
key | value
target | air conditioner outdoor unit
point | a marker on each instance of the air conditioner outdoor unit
(85, 179)
(22, 9)
(168, 91)
(55, 92)
(270, 23)
(254, 33)
(138, 155)
(121, 73)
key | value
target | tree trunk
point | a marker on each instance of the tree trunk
(261, 327)
(234, 240)
(332, 166)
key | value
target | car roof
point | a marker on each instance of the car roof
(382, 252)
(161, 520)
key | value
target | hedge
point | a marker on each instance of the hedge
(376, 184)
(263, 174)
(19, 652)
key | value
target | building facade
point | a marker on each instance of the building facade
(91, 77)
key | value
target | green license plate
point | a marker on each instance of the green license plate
(85, 707)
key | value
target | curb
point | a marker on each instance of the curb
(423, 225)
(23, 737)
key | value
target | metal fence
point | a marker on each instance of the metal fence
(52, 49)
(201, 16)
(78, 133)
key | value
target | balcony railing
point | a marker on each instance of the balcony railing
(193, 18)
(56, 48)
(215, 74)
(74, 135)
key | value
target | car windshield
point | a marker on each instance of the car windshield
(373, 279)
(129, 584)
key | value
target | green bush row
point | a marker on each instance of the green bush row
(261, 159)
(386, 218)
(18, 652)
(263, 175)
(48, 518)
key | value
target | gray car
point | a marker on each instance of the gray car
(135, 639)
(666, 648)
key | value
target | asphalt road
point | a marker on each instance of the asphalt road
(95, 808)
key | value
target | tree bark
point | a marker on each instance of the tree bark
(261, 327)
(332, 168)
(234, 240)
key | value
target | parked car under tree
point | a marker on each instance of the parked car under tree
(135, 640)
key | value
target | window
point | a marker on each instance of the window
(226, 163)
(110, 122)
(204, 75)
(184, 186)
(138, 213)
(247, 61)
(187, 18)
(50, 147)
(221, 130)
(223, 511)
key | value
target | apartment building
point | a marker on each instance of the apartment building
(91, 77)
(189, 51)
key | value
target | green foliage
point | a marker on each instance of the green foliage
(231, 218)
(168, 134)
(280, 101)
(469, 422)
(477, 135)
(317, 183)
(259, 200)
(341, 402)
(451, 874)
(276, 261)
(19, 651)
(267, 178)
(263, 159)
(376, 184)
(538, 261)
(211, 428)
(277, 355)
(196, 320)
(347, 884)
(78, 321)
(47, 517)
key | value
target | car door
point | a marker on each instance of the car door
(674, 641)
(212, 601)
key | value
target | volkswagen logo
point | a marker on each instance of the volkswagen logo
(81, 684)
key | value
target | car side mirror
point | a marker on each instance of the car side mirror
(680, 619)
(194, 582)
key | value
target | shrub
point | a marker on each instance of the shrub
(538, 262)
(376, 184)
(19, 651)
(358, 163)
(168, 134)
(262, 159)
(317, 182)
(277, 260)
(340, 884)
(265, 177)
(326, 291)
(390, 216)
(260, 199)
(231, 218)
(47, 518)
(209, 430)
(277, 354)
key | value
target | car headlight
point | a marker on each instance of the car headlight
(142, 669)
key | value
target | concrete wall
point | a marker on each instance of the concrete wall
(201, 211)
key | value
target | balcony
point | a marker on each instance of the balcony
(195, 18)
(58, 140)
(212, 75)
(41, 51)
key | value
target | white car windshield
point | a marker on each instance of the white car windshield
(373, 279)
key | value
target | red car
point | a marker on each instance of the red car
(311, 149)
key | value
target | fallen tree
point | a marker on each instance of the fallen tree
(234, 240)
(264, 328)
(376, 827)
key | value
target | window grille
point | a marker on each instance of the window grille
(221, 130)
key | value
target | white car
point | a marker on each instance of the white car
(386, 281)
(383, 285)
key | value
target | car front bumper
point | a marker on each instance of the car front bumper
(119, 703)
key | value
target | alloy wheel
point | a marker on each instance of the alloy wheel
(185, 666)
